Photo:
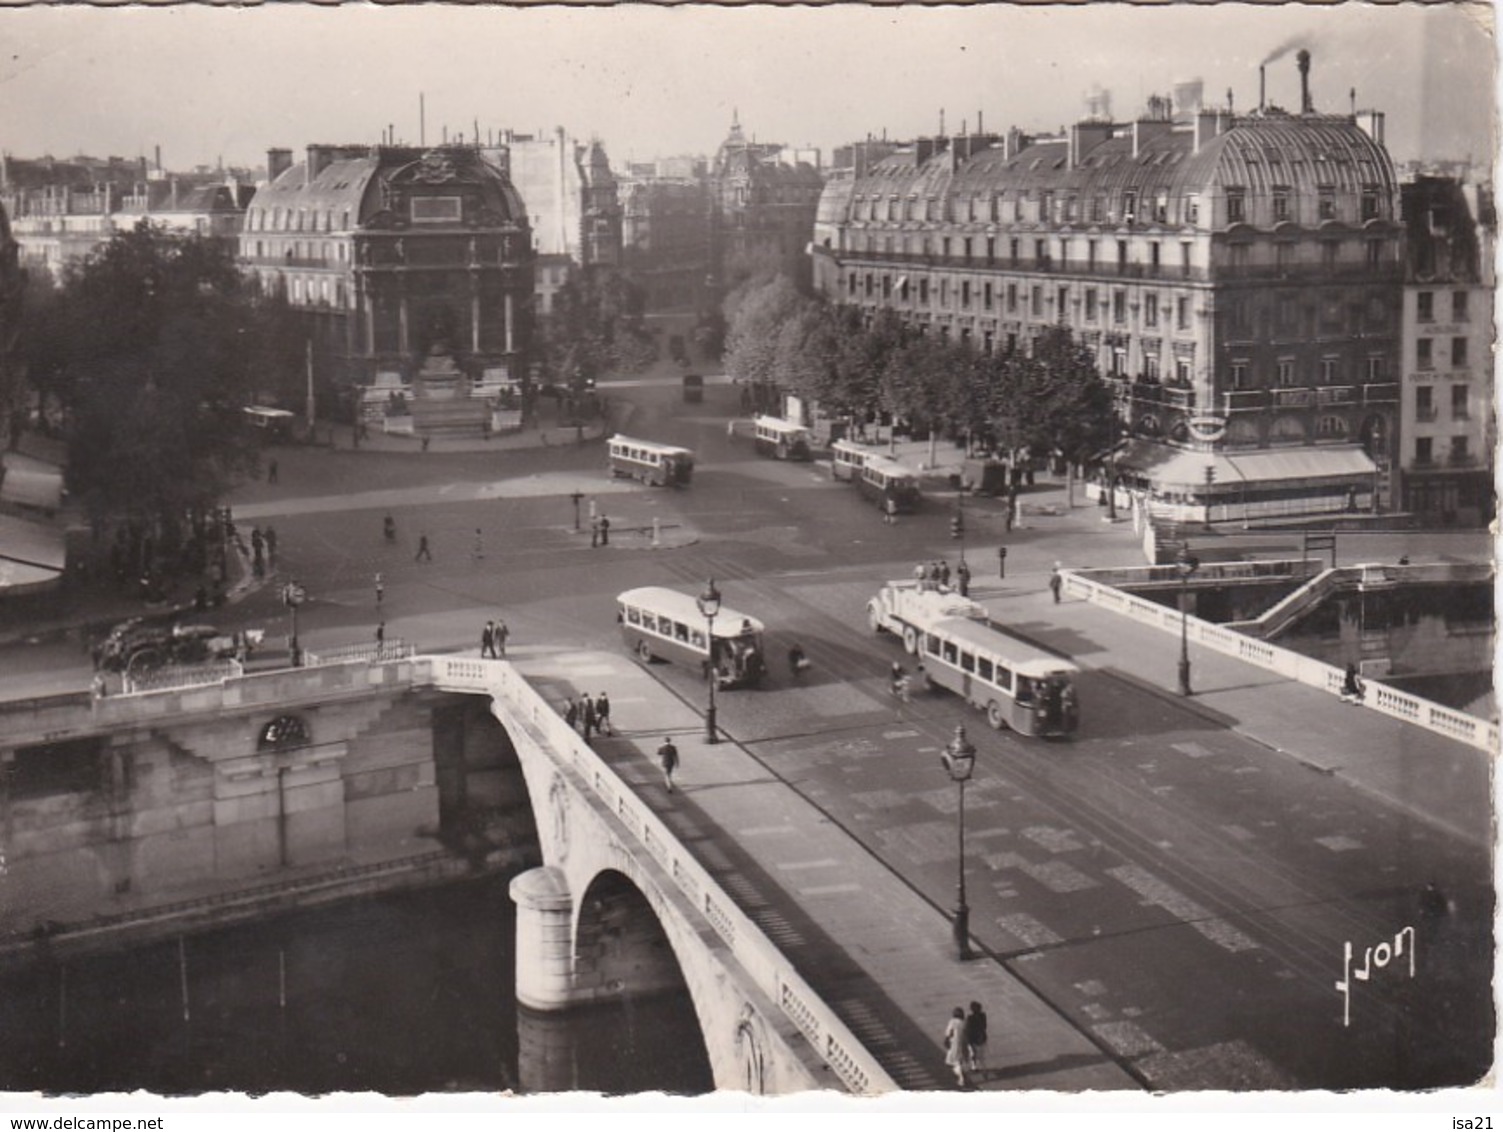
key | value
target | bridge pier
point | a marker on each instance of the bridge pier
(545, 944)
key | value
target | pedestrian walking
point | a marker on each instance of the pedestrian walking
(479, 545)
(380, 588)
(942, 573)
(603, 714)
(605, 531)
(380, 638)
(423, 553)
(955, 1053)
(488, 640)
(594, 530)
(889, 507)
(498, 638)
(668, 760)
(963, 578)
(271, 472)
(1056, 582)
(425, 444)
(571, 714)
(975, 1037)
(587, 715)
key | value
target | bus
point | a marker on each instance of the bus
(847, 458)
(882, 478)
(663, 623)
(780, 439)
(651, 462)
(273, 424)
(1017, 684)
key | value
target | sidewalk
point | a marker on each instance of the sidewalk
(876, 951)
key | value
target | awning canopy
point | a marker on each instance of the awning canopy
(1174, 469)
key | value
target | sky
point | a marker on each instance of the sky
(210, 84)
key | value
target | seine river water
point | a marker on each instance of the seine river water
(401, 994)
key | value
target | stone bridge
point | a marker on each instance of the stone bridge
(226, 785)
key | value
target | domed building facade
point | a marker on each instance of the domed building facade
(398, 255)
(1237, 278)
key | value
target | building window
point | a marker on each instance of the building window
(1012, 298)
(1375, 368)
(1192, 209)
(1458, 353)
(1286, 372)
(1326, 206)
(1424, 403)
(1460, 453)
(991, 250)
(1182, 372)
(1280, 203)
(1458, 306)
(944, 291)
(1369, 204)
(1090, 304)
(1330, 428)
(965, 293)
(868, 284)
(887, 287)
(1119, 362)
(1459, 410)
(1424, 451)
(1151, 309)
(1151, 367)
(1239, 375)
(1423, 356)
(1329, 370)
(1036, 302)
(1012, 249)
(1236, 203)
(1119, 306)
(986, 296)
(1040, 251)
(1121, 253)
(1426, 309)
(968, 247)
(986, 341)
(1129, 207)
(1182, 313)
(1090, 255)
(923, 292)
(1064, 304)
(1154, 251)
(436, 210)
(944, 246)
(852, 283)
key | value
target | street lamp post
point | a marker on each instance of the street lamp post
(1186, 563)
(292, 597)
(575, 498)
(959, 760)
(709, 606)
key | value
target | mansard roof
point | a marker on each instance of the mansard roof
(355, 178)
(1257, 153)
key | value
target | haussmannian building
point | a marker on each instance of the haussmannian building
(763, 200)
(1237, 276)
(665, 234)
(398, 254)
(1448, 429)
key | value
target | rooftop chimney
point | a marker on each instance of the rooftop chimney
(1305, 105)
(1262, 86)
(278, 161)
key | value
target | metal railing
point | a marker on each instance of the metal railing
(175, 676)
(372, 653)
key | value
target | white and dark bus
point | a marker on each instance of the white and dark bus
(884, 478)
(652, 463)
(659, 623)
(275, 425)
(1017, 684)
(847, 458)
(782, 440)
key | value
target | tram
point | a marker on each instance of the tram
(847, 458)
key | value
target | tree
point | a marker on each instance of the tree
(152, 347)
(595, 327)
(756, 314)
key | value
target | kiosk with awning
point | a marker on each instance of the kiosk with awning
(1249, 484)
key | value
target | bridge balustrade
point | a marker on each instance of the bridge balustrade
(773, 975)
(1424, 713)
